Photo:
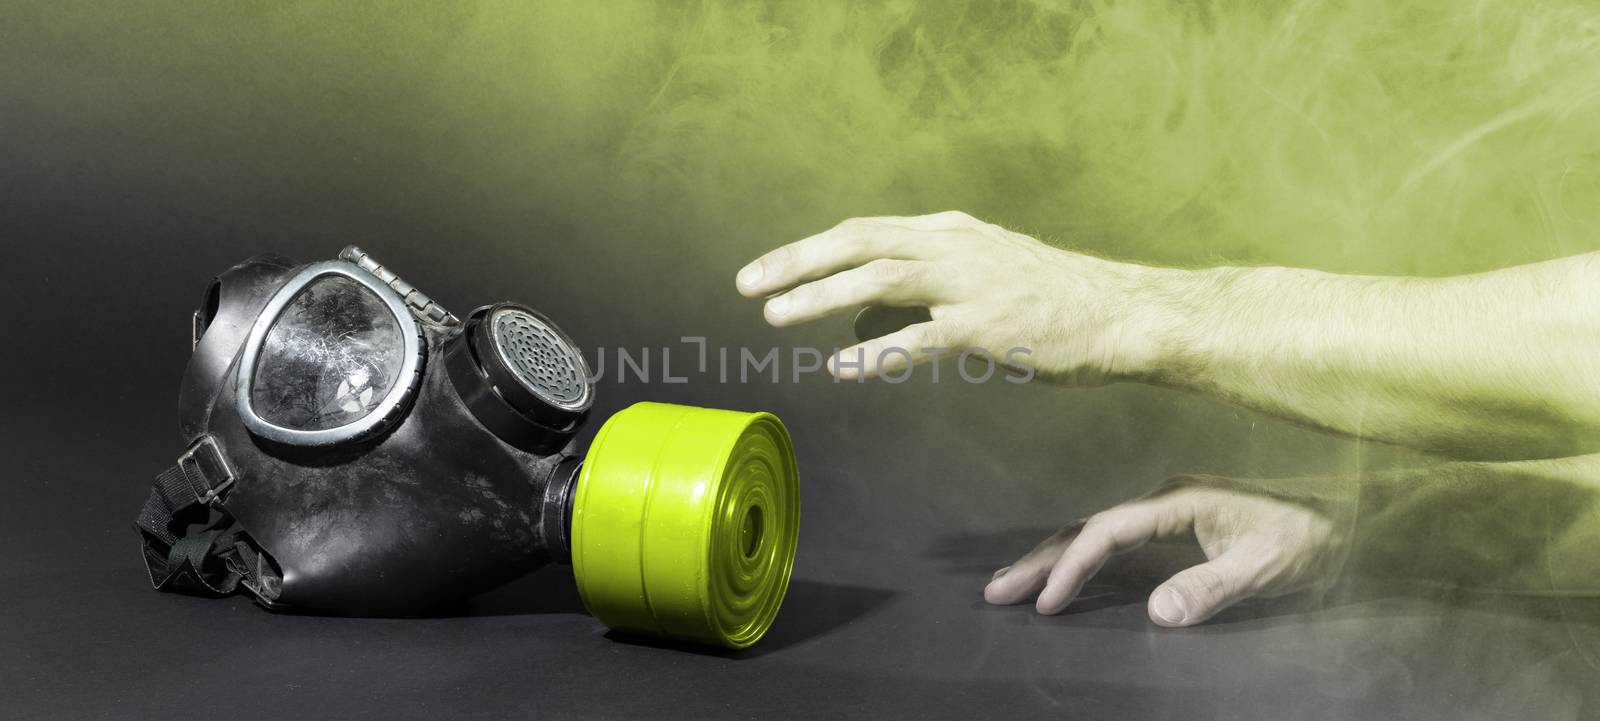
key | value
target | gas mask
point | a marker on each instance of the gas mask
(355, 449)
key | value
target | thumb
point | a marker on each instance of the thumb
(1198, 593)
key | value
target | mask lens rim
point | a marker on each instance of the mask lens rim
(384, 414)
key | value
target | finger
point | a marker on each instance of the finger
(846, 245)
(1019, 581)
(878, 282)
(1016, 583)
(1106, 534)
(1198, 593)
(895, 352)
(947, 220)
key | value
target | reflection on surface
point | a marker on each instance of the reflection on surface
(811, 610)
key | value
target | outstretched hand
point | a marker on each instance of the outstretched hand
(1079, 318)
(1258, 544)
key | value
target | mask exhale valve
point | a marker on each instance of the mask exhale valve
(521, 377)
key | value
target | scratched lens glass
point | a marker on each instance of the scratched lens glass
(330, 358)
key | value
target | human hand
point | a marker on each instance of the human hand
(1079, 319)
(1258, 544)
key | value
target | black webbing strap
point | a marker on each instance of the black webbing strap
(171, 494)
(187, 546)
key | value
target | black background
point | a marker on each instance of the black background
(126, 184)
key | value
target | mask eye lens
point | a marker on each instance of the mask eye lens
(329, 359)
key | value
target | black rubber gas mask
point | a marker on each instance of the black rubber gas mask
(353, 448)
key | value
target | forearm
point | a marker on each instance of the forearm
(1496, 365)
(1524, 527)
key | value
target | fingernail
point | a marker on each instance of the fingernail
(779, 305)
(1168, 605)
(999, 573)
(751, 274)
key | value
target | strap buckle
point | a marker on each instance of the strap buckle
(201, 467)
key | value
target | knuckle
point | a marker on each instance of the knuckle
(901, 236)
(1184, 480)
(1174, 487)
(1104, 523)
(927, 335)
(1051, 544)
(851, 229)
(1210, 584)
(886, 271)
(809, 295)
(784, 258)
(912, 273)
(1188, 485)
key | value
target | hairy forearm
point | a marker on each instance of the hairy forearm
(1496, 365)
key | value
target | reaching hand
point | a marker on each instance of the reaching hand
(1257, 543)
(1078, 317)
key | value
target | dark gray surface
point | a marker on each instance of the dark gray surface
(124, 185)
(884, 621)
